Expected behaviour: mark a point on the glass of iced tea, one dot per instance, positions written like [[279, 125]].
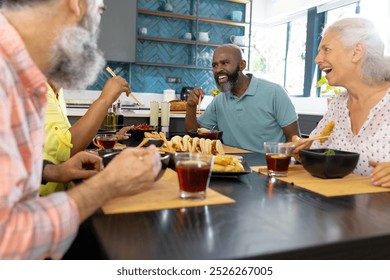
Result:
[[194, 171], [278, 156], [105, 141]]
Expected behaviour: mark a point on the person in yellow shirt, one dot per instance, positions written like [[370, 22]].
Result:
[[63, 140]]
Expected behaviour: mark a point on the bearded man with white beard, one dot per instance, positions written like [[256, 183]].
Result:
[[249, 111], [56, 40]]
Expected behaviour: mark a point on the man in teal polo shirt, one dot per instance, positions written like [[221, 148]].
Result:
[[250, 111]]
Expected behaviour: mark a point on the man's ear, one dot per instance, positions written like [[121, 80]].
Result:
[[242, 65], [77, 7], [358, 52]]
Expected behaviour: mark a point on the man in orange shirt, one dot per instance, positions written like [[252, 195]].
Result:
[[57, 40]]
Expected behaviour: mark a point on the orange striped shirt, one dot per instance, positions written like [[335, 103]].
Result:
[[30, 227]]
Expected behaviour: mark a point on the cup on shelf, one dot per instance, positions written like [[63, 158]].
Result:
[[143, 31], [187, 36], [238, 40], [236, 15], [203, 37]]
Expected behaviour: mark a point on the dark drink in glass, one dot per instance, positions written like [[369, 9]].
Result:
[[193, 170], [278, 156], [105, 141], [278, 164]]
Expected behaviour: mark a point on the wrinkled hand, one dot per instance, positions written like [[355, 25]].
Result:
[[121, 134], [80, 166], [193, 98], [380, 174], [299, 144], [113, 89], [132, 171]]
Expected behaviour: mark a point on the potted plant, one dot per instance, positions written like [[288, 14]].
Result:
[[215, 92], [327, 90]]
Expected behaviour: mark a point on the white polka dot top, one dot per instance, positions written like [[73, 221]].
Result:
[[373, 140]]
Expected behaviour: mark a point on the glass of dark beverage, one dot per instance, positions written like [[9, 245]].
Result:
[[105, 141], [194, 171], [278, 156]]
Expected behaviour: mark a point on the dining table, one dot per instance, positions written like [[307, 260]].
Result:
[[269, 219]]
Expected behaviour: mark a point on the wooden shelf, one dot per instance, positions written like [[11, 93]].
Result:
[[238, 1], [172, 65], [180, 41], [189, 17], [166, 14]]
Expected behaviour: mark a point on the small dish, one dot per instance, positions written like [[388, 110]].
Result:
[[247, 170], [211, 134]]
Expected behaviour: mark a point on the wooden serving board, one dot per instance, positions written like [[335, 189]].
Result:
[[349, 185], [235, 150], [174, 112], [164, 194]]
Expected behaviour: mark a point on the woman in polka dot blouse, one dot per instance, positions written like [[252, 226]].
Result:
[[351, 54]]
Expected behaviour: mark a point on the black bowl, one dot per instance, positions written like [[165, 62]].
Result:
[[165, 158], [324, 164], [212, 134], [136, 137], [139, 134], [108, 154], [152, 141]]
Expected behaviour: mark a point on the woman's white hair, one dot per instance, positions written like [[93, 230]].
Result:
[[357, 30]]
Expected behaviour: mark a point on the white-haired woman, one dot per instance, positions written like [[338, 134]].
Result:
[[351, 54]]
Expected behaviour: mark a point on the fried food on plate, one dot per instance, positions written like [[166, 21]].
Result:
[[327, 130], [226, 163], [189, 144]]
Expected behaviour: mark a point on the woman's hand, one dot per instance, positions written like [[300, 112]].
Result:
[[122, 132], [299, 144], [380, 174]]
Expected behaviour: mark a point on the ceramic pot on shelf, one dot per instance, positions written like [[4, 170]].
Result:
[[203, 37], [166, 5]]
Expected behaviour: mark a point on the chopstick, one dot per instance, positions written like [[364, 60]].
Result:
[[144, 141], [200, 101], [319, 137], [109, 70]]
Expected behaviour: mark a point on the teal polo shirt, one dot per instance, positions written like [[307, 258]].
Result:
[[256, 117]]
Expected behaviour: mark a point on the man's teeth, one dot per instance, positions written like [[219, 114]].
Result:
[[327, 69], [222, 77]]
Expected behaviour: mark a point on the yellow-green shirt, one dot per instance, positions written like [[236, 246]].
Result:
[[57, 136]]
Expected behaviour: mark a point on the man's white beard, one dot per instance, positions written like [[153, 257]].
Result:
[[76, 60], [225, 87]]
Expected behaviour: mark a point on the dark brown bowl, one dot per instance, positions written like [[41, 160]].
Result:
[[212, 134], [164, 165], [327, 166], [136, 137], [157, 142], [108, 154]]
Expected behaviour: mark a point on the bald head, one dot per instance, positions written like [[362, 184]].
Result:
[[231, 49]]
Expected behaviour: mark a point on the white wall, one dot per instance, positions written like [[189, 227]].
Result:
[[271, 11]]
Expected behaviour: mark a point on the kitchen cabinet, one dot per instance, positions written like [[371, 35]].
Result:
[[164, 43], [117, 37], [307, 123]]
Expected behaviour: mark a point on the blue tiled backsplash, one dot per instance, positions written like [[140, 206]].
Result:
[[152, 79]]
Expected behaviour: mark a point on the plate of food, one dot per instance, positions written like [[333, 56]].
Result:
[[228, 165]]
